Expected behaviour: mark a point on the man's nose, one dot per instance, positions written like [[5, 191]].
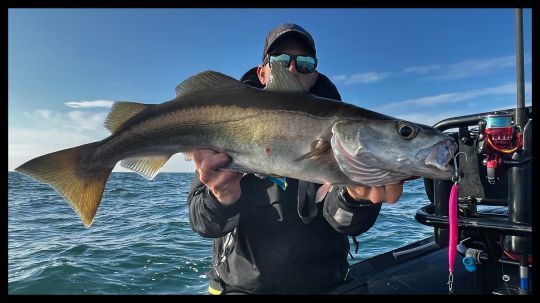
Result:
[[292, 66]]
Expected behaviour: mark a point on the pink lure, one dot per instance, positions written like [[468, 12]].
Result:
[[452, 217]]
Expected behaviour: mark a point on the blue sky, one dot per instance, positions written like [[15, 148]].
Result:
[[67, 66]]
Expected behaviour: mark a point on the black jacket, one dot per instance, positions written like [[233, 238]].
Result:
[[258, 249]]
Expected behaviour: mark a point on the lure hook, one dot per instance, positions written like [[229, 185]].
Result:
[[456, 177]]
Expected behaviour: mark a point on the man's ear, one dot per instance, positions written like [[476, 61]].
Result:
[[261, 73]]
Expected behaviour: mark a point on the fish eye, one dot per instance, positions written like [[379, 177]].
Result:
[[407, 130]]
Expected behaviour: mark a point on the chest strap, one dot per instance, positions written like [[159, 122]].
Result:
[[306, 189]]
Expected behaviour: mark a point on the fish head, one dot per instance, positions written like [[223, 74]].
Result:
[[378, 152]]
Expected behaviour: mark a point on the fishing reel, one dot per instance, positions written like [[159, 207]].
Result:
[[494, 205], [498, 139]]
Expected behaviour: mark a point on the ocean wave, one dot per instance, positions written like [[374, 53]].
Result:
[[141, 241]]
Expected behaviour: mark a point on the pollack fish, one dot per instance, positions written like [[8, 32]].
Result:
[[277, 131]]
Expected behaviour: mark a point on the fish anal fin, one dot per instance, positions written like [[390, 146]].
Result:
[[239, 168], [122, 112], [147, 167]]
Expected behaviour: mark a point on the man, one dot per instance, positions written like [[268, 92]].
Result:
[[269, 240]]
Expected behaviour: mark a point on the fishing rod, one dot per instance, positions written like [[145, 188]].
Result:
[[519, 176]]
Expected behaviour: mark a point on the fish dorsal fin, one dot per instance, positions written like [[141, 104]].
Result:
[[121, 112], [282, 80], [147, 167], [207, 80]]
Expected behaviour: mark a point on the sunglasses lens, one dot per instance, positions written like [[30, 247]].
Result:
[[283, 59], [305, 64]]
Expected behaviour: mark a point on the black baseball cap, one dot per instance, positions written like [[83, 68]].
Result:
[[287, 30]]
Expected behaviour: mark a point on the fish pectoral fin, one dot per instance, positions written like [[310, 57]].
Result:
[[122, 112], [282, 80], [322, 191], [147, 167], [318, 148]]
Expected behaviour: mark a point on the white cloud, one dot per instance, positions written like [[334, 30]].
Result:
[[46, 131], [51, 131], [88, 104], [504, 89], [45, 114], [87, 121], [513, 105], [339, 78], [368, 77], [422, 70], [463, 69], [72, 120], [431, 109], [459, 70], [25, 143], [431, 118], [470, 68]]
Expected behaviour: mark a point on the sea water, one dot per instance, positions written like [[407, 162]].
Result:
[[141, 241]]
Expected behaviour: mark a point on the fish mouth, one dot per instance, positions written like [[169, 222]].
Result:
[[439, 155]]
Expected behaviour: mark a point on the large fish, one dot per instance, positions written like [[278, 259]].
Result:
[[278, 131]]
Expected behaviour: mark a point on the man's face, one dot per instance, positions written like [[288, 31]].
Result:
[[291, 47]]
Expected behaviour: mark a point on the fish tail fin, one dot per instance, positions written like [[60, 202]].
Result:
[[80, 187]]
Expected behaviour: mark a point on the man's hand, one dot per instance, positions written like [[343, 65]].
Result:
[[376, 194], [225, 185]]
